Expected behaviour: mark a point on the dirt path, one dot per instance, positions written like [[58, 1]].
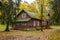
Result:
[[41, 36]]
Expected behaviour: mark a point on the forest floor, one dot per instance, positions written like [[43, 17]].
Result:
[[47, 34]]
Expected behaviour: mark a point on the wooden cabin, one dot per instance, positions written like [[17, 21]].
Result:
[[27, 19]]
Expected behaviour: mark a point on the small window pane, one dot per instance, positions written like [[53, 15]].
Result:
[[23, 15], [34, 23], [38, 23]]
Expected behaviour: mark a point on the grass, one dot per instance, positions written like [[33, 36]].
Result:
[[2, 27], [55, 35], [16, 32], [55, 26]]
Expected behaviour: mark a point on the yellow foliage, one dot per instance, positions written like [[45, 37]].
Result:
[[45, 4], [44, 17], [30, 7], [38, 15], [23, 6]]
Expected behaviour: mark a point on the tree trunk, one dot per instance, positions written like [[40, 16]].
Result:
[[42, 5], [41, 25], [7, 26]]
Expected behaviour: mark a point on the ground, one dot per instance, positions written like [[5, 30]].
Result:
[[47, 34]]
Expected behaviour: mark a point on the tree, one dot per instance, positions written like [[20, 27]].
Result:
[[8, 12], [40, 10], [24, 6], [42, 4], [32, 7], [55, 18], [29, 7]]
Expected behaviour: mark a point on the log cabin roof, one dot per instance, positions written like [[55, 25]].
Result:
[[32, 15]]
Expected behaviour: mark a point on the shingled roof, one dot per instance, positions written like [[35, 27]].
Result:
[[32, 15]]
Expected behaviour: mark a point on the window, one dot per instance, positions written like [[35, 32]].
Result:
[[34, 23], [38, 23], [23, 15]]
